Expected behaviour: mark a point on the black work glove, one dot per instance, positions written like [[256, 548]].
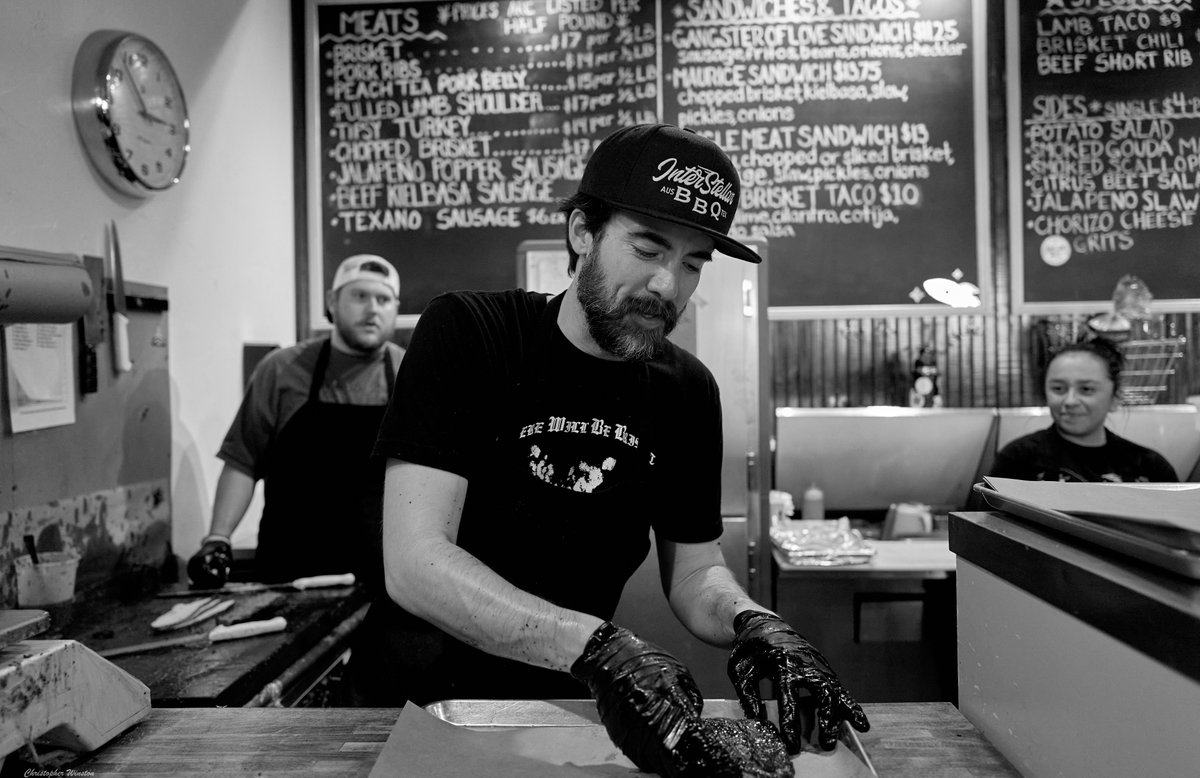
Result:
[[646, 698], [209, 567], [767, 648], [650, 705]]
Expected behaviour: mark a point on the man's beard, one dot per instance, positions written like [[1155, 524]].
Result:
[[610, 321], [356, 341]]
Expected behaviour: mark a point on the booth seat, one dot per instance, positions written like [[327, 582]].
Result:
[[866, 459]]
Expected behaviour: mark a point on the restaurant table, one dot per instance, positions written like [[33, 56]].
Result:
[[274, 668], [887, 626], [915, 558], [906, 739]]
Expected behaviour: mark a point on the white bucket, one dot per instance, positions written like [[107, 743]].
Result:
[[49, 582]]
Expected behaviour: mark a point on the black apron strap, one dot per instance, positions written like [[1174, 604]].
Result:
[[318, 376]]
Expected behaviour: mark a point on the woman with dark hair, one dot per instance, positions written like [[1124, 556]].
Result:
[[1083, 383]]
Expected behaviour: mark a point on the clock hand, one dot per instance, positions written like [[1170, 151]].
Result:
[[138, 93], [154, 118], [133, 84]]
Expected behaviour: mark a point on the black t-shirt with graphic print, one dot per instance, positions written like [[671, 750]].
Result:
[[1046, 455], [570, 460]]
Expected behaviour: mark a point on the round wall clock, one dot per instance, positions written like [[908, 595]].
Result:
[[130, 112]]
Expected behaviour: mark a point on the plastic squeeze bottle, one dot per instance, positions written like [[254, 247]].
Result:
[[813, 507]]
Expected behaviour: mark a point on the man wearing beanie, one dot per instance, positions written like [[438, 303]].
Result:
[[306, 427], [533, 443]]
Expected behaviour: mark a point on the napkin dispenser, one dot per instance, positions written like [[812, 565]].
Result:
[[906, 520]]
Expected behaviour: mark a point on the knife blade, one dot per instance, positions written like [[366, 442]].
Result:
[[217, 634], [120, 314], [300, 584]]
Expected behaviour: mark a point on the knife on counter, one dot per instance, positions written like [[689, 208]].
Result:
[[120, 313], [300, 584], [217, 634]]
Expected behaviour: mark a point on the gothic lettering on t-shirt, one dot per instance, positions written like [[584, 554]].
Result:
[[581, 455]]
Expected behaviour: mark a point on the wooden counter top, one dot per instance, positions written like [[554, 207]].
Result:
[[906, 739]]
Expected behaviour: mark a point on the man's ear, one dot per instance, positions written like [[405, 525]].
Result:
[[578, 232], [330, 302]]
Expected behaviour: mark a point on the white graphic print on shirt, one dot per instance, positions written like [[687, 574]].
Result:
[[579, 468]]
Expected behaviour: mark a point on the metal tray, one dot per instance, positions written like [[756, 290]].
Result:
[[484, 714], [1177, 560]]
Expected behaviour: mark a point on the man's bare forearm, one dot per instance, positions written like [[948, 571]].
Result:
[[430, 576], [235, 491], [703, 592], [456, 592]]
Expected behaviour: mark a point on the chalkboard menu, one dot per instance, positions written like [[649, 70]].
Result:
[[853, 124], [442, 134], [445, 133], [1104, 105]]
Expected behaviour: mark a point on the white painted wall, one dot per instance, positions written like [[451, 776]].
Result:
[[221, 240]]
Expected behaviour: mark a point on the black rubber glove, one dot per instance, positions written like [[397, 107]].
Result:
[[645, 696], [766, 648], [650, 706], [209, 567]]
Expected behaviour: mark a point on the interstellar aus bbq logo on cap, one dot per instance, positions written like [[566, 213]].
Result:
[[696, 189], [663, 171]]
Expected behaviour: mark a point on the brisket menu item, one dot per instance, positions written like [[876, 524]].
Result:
[[733, 748]]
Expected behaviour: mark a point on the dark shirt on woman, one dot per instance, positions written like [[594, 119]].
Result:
[[1047, 456]]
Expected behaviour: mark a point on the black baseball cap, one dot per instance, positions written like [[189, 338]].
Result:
[[669, 173]]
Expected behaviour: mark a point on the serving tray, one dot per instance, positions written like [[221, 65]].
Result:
[[1115, 537], [489, 714]]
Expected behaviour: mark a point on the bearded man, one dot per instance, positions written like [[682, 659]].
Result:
[[533, 443]]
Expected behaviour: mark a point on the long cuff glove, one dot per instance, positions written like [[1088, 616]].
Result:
[[645, 696], [766, 648], [209, 567]]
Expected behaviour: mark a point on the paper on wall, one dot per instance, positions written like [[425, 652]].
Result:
[[41, 375]]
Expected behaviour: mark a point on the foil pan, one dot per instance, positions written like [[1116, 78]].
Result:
[[821, 543]]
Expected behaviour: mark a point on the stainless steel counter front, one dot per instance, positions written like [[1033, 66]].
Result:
[[1074, 659]]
